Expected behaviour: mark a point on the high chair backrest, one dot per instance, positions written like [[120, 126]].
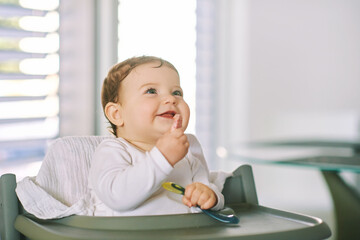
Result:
[[68, 159]]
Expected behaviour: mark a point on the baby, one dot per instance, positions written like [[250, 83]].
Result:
[[143, 101]]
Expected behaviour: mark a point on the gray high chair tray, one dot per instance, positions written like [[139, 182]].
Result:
[[256, 222]]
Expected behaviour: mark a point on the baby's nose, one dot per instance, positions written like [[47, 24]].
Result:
[[170, 99]]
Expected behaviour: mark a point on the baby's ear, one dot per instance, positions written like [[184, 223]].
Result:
[[113, 112]]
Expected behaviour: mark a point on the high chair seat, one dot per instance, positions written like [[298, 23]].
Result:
[[256, 222]]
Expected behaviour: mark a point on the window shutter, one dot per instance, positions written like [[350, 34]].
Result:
[[29, 77]]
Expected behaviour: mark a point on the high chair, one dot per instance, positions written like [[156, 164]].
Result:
[[256, 222]]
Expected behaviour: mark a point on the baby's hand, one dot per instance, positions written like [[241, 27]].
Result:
[[174, 144], [198, 194]]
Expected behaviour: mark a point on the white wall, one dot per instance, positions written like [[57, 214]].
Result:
[[304, 67], [301, 78]]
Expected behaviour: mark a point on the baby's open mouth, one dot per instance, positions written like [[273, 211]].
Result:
[[168, 114]]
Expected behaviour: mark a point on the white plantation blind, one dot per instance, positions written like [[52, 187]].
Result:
[[29, 77]]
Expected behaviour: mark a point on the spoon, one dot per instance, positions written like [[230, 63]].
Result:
[[226, 215]]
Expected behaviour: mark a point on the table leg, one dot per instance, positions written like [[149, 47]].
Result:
[[347, 206]]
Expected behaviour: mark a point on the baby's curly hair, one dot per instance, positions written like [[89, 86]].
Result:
[[111, 84]]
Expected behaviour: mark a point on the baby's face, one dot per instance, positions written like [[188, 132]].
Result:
[[150, 96]]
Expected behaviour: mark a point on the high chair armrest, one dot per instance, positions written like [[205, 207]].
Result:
[[240, 188], [9, 208]]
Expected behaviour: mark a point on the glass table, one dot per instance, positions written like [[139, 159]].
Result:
[[329, 157]]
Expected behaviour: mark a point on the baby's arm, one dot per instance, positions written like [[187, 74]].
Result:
[[198, 194], [123, 178]]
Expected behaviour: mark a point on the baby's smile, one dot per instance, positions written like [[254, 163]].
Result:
[[167, 114]]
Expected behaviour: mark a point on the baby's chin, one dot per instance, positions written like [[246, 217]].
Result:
[[167, 128]]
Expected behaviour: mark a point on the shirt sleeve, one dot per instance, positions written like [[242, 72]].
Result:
[[201, 171], [121, 182]]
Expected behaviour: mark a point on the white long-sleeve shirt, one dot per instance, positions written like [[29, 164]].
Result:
[[126, 181]]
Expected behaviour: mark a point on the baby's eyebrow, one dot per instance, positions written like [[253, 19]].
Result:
[[147, 84], [156, 84], [179, 88]]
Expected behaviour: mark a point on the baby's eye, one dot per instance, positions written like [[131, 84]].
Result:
[[151, 91], [177, 93]]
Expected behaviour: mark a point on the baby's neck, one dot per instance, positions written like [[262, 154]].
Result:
[[141, 145]]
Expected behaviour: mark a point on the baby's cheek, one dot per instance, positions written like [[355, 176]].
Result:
[[185, 114]]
